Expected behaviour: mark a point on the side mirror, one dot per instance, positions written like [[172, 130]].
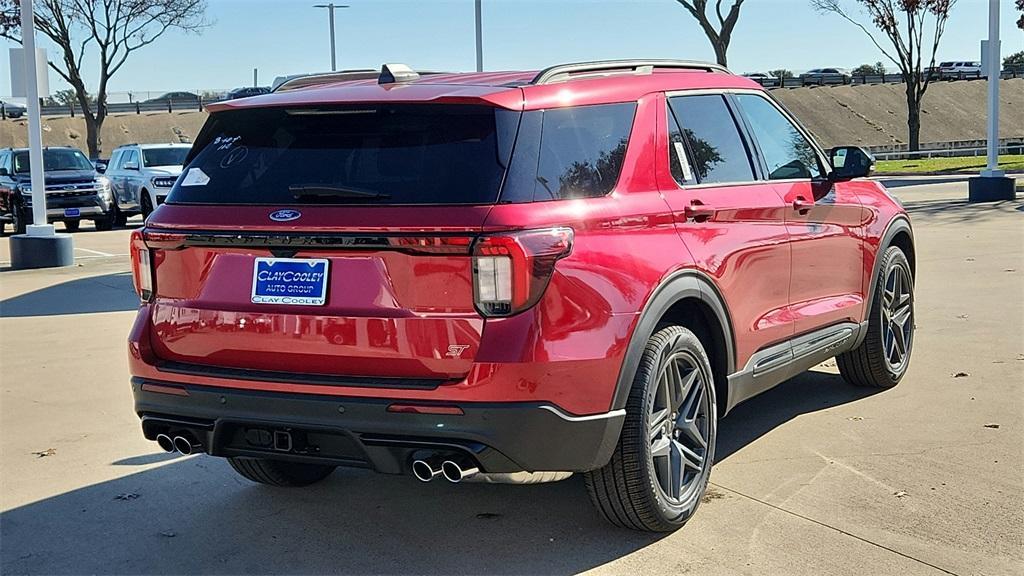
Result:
[[131, 166], [101, 168], [3, 171], [850, 162]]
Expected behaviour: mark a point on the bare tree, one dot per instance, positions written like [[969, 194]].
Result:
[[1020, 8], [111, 28], [904, 24], [721, 35]]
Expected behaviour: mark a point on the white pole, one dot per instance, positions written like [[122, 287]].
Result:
[[39, 227], [993, 89], [479, 37], [334, 60]]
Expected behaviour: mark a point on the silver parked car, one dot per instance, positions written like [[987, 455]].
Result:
[[825, 76], [141, 176]]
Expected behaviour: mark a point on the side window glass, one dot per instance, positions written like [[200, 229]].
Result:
[[786, 151], [678, 157], [130, 156], [3, 160], [581, 150], [114, 160], [718, 153]]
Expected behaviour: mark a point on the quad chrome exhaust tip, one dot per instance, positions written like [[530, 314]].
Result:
[[456, 471], [165, 442], [185, 445], [426, 469]]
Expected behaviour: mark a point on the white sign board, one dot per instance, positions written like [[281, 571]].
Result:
[[18, 87]]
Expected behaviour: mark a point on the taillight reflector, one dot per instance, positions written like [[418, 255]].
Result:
[[511, 271], [425, 409]]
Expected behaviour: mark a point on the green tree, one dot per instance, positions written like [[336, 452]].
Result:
[[1015, 60], [905, 24], [876, 69], [721, 35], [109, 29]]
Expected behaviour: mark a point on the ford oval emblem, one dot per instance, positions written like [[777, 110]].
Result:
[[285, 215]]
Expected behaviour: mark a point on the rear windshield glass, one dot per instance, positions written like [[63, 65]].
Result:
[[164, 156], [376, 154]]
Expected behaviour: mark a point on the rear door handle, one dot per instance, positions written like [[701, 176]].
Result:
[[698, 211], [801, 205]]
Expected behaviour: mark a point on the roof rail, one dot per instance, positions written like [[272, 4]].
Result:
[[564, 72]]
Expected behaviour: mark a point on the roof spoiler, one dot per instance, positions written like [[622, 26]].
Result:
[[563, 72]]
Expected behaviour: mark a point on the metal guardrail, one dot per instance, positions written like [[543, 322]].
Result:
[[199, 104], [797, 82], [1012, 148]]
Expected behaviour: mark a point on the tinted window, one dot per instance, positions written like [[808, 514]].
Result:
[[786, 152], [581, 150], [679, 160], [374, 154], [714, 142], [54, 160], [164, 156]]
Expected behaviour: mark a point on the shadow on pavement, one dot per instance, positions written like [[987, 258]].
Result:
[[107, 293], [194, 515], [808, 392], [903, 182], [959, 211]]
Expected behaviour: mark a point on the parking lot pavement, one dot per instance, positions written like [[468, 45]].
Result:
[[813, 477], [89, 243]]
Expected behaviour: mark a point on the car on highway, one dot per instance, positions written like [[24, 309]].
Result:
[[174, 97], [961, 69], [12, 110], [247, 92], [74, 191], [141, 176], [509, 277], [826, 76]]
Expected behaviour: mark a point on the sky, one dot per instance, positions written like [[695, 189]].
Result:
[[290, 36]]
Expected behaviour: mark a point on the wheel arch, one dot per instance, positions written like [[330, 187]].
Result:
[[897, 233], [687, 298]]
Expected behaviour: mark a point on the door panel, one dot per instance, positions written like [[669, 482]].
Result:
[[828, 271], [823, 218], [736, 231]]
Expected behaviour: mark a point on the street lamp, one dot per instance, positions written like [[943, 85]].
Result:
[[479, 36], [992, 184], [330, 14]]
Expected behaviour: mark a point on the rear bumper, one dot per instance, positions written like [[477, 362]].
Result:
[[501, 437]]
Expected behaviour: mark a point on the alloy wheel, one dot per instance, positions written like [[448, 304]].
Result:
[[897, 318], [679, 428]]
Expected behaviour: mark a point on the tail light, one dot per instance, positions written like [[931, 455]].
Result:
[[142, 267], [512, 270]]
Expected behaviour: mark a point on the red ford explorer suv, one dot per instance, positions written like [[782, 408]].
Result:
[[509, 277]]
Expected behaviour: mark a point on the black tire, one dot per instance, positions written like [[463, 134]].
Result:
[[146, 204], [120, 219], [104, 224], [20, 223], [630, 490], [872, 363], [280, 473], [72, 225]]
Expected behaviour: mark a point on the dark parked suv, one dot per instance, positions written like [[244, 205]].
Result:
[[509, 277], [74, 191]]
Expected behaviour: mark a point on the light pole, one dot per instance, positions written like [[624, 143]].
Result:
[[992, 185], [479, 37], [40, 247], [330, 14]]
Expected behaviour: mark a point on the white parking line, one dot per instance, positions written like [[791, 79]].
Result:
[[96, 252]]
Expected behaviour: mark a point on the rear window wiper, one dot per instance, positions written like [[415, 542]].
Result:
[[300, 191]]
